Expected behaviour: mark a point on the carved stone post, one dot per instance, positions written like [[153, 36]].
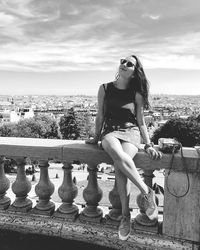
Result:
[[142, 218], [21, 187], [114, 216], [92, 194], [67, 192], [44, 189], [148, 177], [4, 186]]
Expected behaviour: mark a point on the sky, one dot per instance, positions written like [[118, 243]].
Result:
[[63, 47]]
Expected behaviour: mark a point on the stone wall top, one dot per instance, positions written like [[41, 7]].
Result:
[[70, 150]]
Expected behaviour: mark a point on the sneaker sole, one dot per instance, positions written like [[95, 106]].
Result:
[[123, 237], [154, 215]]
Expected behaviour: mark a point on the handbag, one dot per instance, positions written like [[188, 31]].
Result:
[[168, 145]]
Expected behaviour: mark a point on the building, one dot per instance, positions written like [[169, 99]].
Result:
[[26, 113], [9, 116]]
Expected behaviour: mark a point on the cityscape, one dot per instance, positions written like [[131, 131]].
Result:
[[163, 107], [57, 191]]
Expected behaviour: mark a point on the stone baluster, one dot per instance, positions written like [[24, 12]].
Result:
[[67, 192], [44, 189], [4, 186], [92, 194], [114, 215], [141, 218], [21, 187], [148, 177]]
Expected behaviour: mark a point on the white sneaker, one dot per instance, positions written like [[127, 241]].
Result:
[[124, 228], [150, 206]]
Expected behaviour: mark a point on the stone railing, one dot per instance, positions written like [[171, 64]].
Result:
[[179, 228]]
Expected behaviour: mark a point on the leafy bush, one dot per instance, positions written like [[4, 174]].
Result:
[[186, 131], [42, 126]]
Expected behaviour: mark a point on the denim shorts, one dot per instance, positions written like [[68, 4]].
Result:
[[129, 134]]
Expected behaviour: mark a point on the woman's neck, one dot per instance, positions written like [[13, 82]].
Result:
[[121, 83]]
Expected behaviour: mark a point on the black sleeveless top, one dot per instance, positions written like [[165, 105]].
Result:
[[119, 105]]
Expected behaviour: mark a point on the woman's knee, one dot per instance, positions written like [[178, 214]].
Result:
[[113, 148], [130, 149], [107, 140]]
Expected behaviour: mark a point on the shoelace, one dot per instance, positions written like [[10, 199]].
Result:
[[147, 199], [125, 219]]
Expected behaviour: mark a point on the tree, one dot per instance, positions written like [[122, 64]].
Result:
[[83, 119], [38, 127], [186, 131], [10, 166], [42, 126], [30, 128], [51, 127], [7, 129], [68, 126]]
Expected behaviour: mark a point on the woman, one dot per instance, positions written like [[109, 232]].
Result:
[[119, 124]]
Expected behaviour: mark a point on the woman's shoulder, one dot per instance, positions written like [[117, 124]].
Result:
[[104, 87], [107, 84]]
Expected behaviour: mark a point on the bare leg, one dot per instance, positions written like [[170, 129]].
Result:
[[123, 161], [123, 187], [123, 183], [122, 154]]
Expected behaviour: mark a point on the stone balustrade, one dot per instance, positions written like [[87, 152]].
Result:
[[179, 228]]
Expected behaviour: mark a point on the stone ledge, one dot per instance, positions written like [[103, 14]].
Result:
[[68, 151], [89, 233]]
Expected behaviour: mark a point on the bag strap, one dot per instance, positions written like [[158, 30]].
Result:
[[186, 172]]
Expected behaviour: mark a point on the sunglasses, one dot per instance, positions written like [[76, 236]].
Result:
[[129, 64]]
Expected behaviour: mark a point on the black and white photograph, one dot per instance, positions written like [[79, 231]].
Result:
[[100, 124]]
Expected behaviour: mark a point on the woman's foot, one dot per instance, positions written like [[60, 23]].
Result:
[[147, 204], [124, 228], [151, 207]]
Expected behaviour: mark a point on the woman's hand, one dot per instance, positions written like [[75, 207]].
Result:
[[92, 140], [153, 153]]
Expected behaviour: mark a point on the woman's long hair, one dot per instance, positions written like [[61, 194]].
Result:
[[139, 82]]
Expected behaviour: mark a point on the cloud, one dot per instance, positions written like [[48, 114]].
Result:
[[17, 7], [10, 28], [92, 35], [73, 55], [153, 17], [5, 19]]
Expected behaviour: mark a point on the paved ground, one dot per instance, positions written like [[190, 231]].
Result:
[[40, 242]]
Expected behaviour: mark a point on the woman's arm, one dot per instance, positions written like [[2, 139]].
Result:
[[143, 128], [140, 118], [99, 120], [100, 112]]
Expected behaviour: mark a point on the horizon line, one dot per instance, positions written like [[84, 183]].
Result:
[[82, 94]]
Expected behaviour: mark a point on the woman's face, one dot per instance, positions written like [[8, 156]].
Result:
[[127, 67]]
